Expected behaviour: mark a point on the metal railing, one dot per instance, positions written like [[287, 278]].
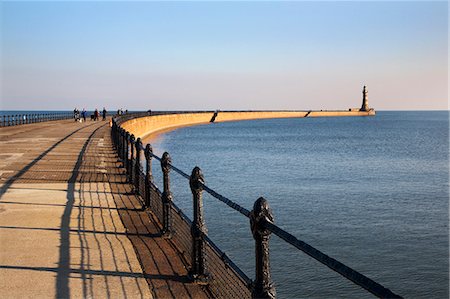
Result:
[[29, 118], [208, 264]]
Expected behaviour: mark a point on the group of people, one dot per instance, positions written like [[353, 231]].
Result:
[[82, 116], [120, 111]]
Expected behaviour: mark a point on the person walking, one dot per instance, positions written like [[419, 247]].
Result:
[[83, 114], [96, 114], [76, 114], [104, 113]]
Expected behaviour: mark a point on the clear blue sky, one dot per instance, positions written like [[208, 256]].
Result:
[[223, 55]]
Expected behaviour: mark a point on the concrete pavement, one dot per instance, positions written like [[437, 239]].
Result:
[[62, 234]]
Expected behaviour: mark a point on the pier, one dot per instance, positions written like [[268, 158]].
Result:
[[70, 224], [81, 217]]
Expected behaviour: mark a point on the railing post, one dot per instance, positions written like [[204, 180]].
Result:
[[124, 145], [114, 134], [120, 140], [166, 196], [131, 172], [148, 173], [198, 228], [117, 137], [127, 151], [263, 285], [137, 167]]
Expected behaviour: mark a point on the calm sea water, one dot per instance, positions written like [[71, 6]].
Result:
[[371, 192]]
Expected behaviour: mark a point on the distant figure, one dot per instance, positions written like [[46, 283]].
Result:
[[126, 111], [83, 114], [104, 113], [96, 114], [76, 114]]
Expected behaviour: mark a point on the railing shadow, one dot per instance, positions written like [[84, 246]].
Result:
[[158, 258], [21, 172]]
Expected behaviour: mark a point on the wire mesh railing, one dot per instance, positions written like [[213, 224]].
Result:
[[208, 264]]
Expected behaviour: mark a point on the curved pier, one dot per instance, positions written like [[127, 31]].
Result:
[[81, 216], [154, 122]]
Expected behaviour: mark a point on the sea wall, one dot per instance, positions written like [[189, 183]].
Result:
[[338, 113], [144, 126], [148, 125], [247, 115]]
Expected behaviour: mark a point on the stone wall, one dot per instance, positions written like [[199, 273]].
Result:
[[145, 126]]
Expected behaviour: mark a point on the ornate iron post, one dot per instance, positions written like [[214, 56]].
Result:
[[137, 166], [130, 171], [119, 139], [122, 145], [166, 196], [148, 173], [127, 150], [122, 136], [116, 140], [263, 285], [198, 228]]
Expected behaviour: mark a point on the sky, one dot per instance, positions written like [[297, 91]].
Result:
[[223, 55]]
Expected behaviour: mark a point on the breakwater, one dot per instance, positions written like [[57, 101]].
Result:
[[150, 123], [130, 149]]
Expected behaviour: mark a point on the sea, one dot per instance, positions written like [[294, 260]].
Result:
[[371, 192]]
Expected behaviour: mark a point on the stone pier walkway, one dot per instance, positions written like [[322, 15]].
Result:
[[70, 225]]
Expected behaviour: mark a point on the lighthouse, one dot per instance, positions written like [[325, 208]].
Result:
[[365, 101]]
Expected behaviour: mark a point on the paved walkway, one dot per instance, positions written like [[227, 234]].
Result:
[[69, 224]]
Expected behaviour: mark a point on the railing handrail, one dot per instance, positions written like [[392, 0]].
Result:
[[347, 272], [14, 119]]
